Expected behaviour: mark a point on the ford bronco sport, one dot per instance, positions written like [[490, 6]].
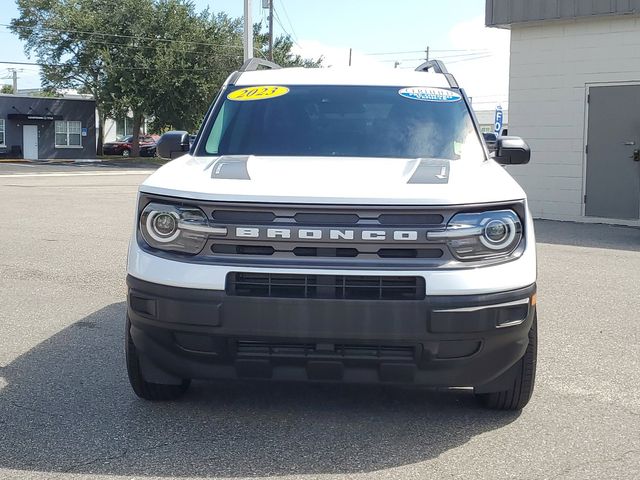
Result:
[[335, 225]]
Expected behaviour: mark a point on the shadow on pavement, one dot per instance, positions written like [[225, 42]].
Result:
[[588, 235], [66, 406]]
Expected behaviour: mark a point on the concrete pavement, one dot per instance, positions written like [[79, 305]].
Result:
[[66, 409]]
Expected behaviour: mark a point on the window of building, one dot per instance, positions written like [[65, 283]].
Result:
[[2, 139], [68, 134], [124, 127]]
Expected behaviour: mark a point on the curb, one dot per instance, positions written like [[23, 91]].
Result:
[[49, 162]]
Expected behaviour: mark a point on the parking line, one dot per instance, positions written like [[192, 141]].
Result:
[[79, 174]]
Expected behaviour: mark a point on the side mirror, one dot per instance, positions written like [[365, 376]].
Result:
[[173, 144], [512, 151]]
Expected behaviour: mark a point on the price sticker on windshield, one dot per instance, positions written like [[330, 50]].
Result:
[[260, 92], [429, 94]]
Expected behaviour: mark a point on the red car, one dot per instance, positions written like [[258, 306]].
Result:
[[123, 147]]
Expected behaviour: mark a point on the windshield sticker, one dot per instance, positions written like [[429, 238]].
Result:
[[260, 92], [429, 94]]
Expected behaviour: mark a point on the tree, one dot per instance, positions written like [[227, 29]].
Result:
[[68, 38], [6, 89], [166, 62]]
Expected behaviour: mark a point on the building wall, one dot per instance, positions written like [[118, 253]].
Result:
[[552, 64], [109, 130], [68, 109], [115, 129], [510, 12]]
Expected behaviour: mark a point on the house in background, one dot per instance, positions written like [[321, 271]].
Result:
[[116, 129], [38, 128], [574, 95]]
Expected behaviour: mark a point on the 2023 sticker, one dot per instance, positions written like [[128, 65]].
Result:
[[259, 92]]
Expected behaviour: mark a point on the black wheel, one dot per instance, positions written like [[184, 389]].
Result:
[[126, 152], [516, 397], [142, 388]]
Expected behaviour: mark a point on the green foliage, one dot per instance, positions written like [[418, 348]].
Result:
[[159, 59], [6, 89]]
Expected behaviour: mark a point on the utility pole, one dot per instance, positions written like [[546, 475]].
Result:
[[15, 80], [270, 30], [350, 51], [248, 31], [427, 53]]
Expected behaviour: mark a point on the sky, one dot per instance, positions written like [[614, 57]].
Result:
[[378, 32]]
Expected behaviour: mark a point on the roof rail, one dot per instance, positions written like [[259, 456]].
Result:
[[438, 67], [253, 63]]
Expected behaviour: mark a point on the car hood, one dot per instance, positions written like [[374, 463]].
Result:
[[335, 180]]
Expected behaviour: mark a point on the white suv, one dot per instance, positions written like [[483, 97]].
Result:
[[335, 225]]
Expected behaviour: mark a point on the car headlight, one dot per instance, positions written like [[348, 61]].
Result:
[[173, 228], [482, 235]]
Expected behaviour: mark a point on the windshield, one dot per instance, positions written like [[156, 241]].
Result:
[[349, 121]]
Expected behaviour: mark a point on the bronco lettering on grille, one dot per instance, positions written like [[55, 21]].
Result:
[[331, 234]]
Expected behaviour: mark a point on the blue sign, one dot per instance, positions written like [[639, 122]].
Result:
[[85, 131], [498, 121]]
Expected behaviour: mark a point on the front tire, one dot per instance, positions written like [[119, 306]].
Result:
[[126, 153], [142, 388], [520, 391]]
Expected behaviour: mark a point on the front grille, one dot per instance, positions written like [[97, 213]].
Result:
[[286, 249], [345, 287], [314, 350], [336, 234], [364, 216]]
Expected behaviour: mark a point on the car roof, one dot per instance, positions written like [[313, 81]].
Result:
[[342, 76]]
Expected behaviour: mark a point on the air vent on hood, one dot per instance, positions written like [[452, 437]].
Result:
[[431, 171], [231, 168]]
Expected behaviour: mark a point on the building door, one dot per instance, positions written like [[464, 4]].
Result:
[[30, 142], [613, 153]]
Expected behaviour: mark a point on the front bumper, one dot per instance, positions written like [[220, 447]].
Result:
[[440, 341]]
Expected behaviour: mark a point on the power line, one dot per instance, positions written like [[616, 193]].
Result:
[[277, 19], [115, 35], [51, 65], [284, 8], [143, 47], [471, 59], [440, 57], [128, 46], [422, 51]]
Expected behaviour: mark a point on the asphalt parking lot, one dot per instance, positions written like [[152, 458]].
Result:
[[66, 409]]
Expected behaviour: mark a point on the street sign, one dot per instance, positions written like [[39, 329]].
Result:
[[498, 120]]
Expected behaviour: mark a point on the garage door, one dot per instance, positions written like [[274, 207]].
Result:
[[613, 153]]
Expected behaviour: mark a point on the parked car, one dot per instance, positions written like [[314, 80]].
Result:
[[335, 226], [123, 147], [491, 139]]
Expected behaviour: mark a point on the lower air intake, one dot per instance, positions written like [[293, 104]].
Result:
[[344, 287]]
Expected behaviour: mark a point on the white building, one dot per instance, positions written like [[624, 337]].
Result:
[[574, 95], [116, 129]]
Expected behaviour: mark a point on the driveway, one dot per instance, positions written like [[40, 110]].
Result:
[[66, 409]]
